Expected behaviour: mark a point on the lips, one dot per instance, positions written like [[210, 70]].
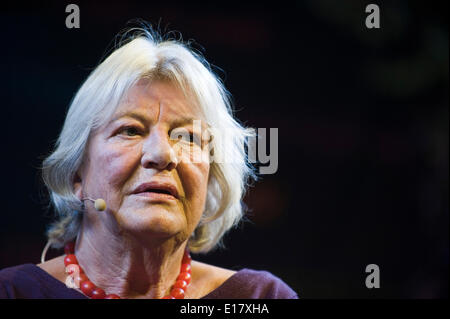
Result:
[[157, 187]]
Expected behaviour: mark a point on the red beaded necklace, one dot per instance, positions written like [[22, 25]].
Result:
[[92, 291]]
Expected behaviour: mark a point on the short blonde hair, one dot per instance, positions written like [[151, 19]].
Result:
[[143, 53]]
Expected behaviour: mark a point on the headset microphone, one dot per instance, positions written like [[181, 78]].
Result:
[[99, 203]]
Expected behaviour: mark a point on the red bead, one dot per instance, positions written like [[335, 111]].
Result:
[[70, 259], [185, 276], [69, 248], [177, 293], [87, 288], [186, 258], [112, 296], [181, 284], [98, 293], [167, 297], [185, 268]]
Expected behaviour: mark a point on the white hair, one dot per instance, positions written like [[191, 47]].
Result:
[[146, 55]]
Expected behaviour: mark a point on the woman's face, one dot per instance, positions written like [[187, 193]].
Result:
[[134, 148]]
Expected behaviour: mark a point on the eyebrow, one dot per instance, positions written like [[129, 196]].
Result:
[[138, 116], [183, 121], [143, 118]]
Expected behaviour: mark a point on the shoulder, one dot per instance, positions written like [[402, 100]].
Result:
[[208, 277], [253, 284], [17, 273], [267, 284], [19, 281], [31, 281]]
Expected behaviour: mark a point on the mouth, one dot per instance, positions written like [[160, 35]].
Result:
[[157, 190]]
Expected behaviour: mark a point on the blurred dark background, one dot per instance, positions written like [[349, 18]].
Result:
[[363, 131]]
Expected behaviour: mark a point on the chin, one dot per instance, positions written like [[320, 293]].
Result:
[[160, 222]]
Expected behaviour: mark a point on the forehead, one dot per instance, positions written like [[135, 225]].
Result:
[[158, 100]]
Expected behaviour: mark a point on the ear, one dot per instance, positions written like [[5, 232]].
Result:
[[77, 186]]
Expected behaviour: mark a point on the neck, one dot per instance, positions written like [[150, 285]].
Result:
[[125, 266]]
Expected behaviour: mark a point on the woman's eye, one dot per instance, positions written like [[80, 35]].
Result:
[[188, 137], [130, 131], [183, 137]]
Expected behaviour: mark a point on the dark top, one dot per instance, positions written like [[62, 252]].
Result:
[[30, 281]]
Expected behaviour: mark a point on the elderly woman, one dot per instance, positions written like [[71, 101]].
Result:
[[150, 165]]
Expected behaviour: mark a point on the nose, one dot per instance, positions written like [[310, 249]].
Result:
[[158, 152]]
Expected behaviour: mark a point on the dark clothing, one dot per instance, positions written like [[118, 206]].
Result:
[[30, 281]]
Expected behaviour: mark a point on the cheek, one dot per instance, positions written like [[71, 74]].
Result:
[[195, 182], [113, 166]]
